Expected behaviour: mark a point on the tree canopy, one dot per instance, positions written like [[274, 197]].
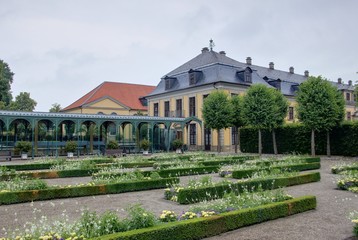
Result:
[[237, 118], [23, 102], [55, 108], [6, 79]]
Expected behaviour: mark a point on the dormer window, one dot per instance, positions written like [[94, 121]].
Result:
[[194, 76], [169, 82], [248, 75]]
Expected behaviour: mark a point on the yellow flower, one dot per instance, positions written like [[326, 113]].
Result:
[[355, 221]]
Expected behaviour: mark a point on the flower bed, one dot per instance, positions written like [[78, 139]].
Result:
[[83, 190], [203, 227], [238, 174], [165, 172], [193, 195], [348, 181], [344, 167]]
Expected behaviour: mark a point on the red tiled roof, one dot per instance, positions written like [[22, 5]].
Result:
[[126, 93]]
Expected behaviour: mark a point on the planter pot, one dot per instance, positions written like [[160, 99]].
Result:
[[70, 154], [145, 152], [178, 151], [24, 156]]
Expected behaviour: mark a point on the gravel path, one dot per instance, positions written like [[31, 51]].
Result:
[[328, 221]]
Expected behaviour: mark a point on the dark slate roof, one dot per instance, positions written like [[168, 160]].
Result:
[[213, 73], [342, 86], [217, 67]]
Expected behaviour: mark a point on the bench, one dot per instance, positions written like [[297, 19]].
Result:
[[5, 154], [114, 152]]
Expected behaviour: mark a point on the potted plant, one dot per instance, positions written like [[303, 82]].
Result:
[[177, 145], [144, 144], [23, 147], [70, 148]]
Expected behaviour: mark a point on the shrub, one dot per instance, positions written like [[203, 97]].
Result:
[[177, 144], [70, 146], [112, 145], [144, 144], [23, 146]]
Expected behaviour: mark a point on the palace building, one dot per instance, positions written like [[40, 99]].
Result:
[[181, 93]]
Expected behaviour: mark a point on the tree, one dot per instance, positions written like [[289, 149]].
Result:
[[23, 102], [237, 119], [55, 108], [217, 112], [280, 112], [259, 109], [320, 107], [6, 79]]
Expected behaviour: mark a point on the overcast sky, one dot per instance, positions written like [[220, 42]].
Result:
[[60, 50]]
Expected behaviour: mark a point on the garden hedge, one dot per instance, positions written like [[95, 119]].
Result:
[[41, 166], [86, 190], [50, 174], [164, 173], [296, 138], [210, 226], [187, 196], [343, 168], [245, 173]]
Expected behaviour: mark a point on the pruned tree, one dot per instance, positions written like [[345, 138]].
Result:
[[258, 109], [217, 112], [280, 112], [56, 107], [320, 107], [23, 102], [237, 119]]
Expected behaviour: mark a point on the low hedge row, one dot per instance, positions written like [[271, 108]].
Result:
[[187, 196], [40, 166], [80, 191], [50, 174], [297, 167], [343, 168], [165, 173], [210, 226]]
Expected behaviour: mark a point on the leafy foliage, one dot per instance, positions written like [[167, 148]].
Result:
[[6, 79], [56, 107], [23, 102], [217, 111], [319, 104]]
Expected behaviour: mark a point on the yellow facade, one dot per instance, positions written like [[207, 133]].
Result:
[[198, 93]]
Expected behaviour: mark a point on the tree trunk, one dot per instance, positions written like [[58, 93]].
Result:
[[313, 152], [219, 145], [260, 143], [236, 142], [328, 145], [274, 141]]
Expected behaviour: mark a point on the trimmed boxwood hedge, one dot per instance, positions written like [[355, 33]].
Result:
[[187, 196], [245, 173], [165, 173], [210, 226], [343, 168], [51, 174], [80, 191], [297, 138]]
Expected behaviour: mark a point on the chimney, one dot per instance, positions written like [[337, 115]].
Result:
[[205, 49], [307, 73], [350, 82], [271, 65], [248, 61], [292, 70], [340, 80], [223, 53]]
